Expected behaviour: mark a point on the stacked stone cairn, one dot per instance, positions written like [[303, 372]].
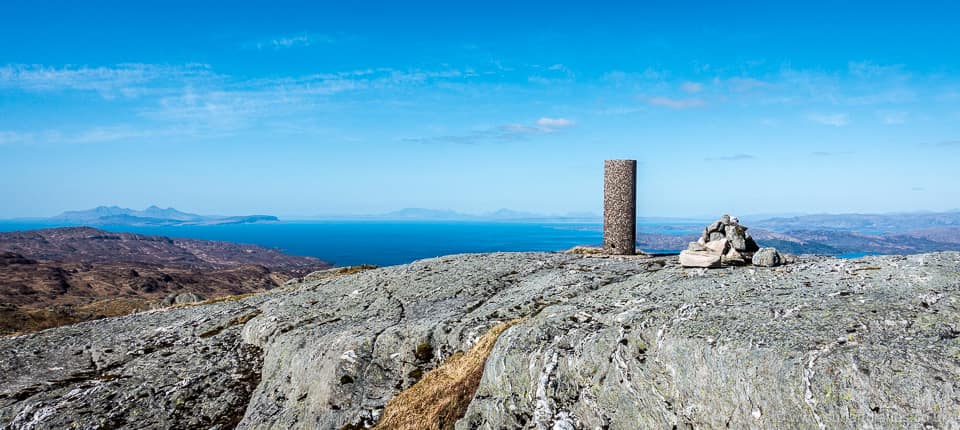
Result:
[[727, 243]]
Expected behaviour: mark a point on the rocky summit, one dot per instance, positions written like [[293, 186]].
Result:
[[592, 342]]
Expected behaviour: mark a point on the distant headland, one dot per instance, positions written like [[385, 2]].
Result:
[[151, 216]]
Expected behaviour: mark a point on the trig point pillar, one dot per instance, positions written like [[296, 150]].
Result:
[[620, 207]]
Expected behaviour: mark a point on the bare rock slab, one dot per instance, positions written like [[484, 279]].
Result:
[[609, 342]]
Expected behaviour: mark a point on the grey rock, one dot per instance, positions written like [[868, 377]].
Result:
[[716, 226], [716, 236], [737, 235], [697, 246], [610, 342], [732, 257], [718, 247], [181, 298], [767, 257], [725, 219]]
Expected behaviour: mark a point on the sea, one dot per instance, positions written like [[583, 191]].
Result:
[[382, 243]]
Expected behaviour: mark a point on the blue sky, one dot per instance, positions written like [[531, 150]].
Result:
[[306, 108]]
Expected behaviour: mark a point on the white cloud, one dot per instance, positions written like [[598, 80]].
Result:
[[691, 87], [503, 133], [870, 70], [554, 122], [10, 137], [299, 40], [742, 85], [122, 80], [676, 103], [893, 118], [836, 119]]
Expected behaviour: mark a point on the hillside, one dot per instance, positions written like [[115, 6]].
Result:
[[57, 276], [562, 341], [822, 241]]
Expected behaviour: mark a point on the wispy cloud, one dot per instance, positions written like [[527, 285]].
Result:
[[499, 134], [835, 119], [949, 143], [829, 153], [554, 123], [691, 87], [676, 103], [870, 70], [551, 75], [11, 137], [299, 40], [101, 134], [744, 84], [734, 157], [123, 80], [893, 118]]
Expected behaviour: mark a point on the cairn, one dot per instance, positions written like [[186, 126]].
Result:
[[727, 243]]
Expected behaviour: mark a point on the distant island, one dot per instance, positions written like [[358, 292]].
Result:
[[151, 216]]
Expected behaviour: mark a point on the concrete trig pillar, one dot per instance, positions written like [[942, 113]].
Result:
[[620, 207]]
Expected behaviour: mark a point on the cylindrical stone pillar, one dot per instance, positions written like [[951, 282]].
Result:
[[620, 207]]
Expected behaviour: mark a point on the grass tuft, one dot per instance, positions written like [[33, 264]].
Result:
[[441, 398]]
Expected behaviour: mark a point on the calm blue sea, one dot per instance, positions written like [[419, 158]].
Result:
[[383, 243]]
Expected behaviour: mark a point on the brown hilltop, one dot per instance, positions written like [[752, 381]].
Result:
[[59, 276]]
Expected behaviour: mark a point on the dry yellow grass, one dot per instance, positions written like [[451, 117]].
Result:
[[17, 321], [441, 398]]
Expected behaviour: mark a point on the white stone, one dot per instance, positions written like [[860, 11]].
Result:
[[699, 259]]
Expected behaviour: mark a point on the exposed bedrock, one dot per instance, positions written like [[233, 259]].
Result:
[[609, 342]]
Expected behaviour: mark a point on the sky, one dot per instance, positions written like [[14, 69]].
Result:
[[299, 109]]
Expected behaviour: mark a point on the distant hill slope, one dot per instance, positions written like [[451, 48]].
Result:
[[828, 242], [92, 245], [153, 215], [862, 223], [55, 276]]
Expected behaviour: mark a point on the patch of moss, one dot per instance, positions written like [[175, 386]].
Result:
[[424, 352], [416, 373]]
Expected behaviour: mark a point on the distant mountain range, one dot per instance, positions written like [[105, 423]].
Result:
[[830, 234], [151, 216], [424, 214], [863, 223]]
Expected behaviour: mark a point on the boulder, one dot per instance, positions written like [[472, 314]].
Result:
[[718, 247], [737, 235], [767, 257], [733, 258], [181, 298], [699, 259]]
